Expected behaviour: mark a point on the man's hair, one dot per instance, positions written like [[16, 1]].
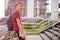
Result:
[[17, 3]]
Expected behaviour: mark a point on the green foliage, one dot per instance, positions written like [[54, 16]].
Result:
[[31, 29], [27, 24], [38, 21]]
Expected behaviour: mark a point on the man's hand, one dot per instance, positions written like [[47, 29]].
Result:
[[23, 19], [23, 35], [20, 28]]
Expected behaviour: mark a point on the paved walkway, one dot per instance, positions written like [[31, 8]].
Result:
[[31, 37], [3, 30]]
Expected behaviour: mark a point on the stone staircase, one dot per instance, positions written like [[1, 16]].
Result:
[[52, 33]]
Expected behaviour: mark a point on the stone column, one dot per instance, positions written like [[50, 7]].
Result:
[[37, 6], [54, 9], [30, 8], [2, 8]]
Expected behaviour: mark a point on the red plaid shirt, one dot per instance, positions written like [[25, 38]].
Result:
[[14, 22]]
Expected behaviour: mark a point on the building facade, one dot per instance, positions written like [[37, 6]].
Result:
[[35, 8], [30, 9]]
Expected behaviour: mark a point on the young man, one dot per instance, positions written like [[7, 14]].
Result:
[[16, 21]]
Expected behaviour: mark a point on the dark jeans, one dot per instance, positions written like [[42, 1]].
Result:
[[17, 32]]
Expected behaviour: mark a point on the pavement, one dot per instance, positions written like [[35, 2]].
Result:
[[31, 37], [3, 31]]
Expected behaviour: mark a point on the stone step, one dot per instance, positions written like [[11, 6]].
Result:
[[58, 26], [57, 29], [55, 32], [51, 35], [45, 37]]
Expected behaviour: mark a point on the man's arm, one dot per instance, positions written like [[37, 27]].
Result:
[[19, 25]]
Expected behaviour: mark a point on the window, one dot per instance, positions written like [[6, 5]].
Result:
[[39, 8], [59, 5], [10, 6], [59, 15], [24, 8]]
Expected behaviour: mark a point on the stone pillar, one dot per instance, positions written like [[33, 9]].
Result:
[[30, 8], [2, 8], [54, 9], [6, 4], [37, 6]]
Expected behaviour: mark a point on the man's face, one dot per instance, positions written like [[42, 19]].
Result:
[[19, 6]]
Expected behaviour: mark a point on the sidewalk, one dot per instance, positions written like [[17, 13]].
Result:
[[31, 37], [3, 30]]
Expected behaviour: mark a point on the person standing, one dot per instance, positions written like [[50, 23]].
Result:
[[16, 21]]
